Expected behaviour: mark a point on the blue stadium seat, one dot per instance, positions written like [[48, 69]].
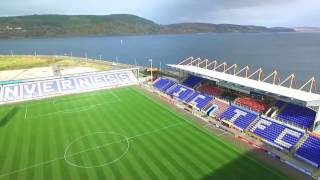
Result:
[[279, 104], [192, 80], [168, 86], [183, 93], [160, 83], [190, 98], [309, 151], [276, 133], [180, 92], [202, 100], [301, 116], [239, 116]]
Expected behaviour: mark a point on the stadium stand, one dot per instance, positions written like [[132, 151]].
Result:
[[201, 100], [168, 86], [192, 80], [210, 109], [270, 114], [228, 96], [253, 104], [279, 104], [40, 88], [301, 116], [276, 133], [210, 89], [309, 151], [183, 93], [180, 92], [239, 116], [160, 83], [207, 107], [190, 98], [220, 107]]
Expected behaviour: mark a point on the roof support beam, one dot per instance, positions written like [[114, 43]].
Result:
[[188, 59], [312, 83], [194, 60], [203, 61], [291, 78], [309, 86], [241, 70], [274, 74], [259, 75], [234, 66], [213, 62], [224, 64]]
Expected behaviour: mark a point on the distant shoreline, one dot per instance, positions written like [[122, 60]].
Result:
[[137, 35], [111, 25]]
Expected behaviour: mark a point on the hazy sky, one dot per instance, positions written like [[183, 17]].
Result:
[[258, 12]]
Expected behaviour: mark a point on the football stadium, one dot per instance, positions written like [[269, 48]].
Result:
[[209, 121]]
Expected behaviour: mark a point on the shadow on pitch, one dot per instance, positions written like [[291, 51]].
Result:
[[249, 166], [8, 116]]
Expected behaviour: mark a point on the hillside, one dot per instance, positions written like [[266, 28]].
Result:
[[307, 29], [220, 28], [120, 24]]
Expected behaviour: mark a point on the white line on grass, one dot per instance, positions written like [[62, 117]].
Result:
[[26, 112], [79, 109], [74, 110], [101, 146], [72, 98], [115, 95], [125, 139], [68, 97]]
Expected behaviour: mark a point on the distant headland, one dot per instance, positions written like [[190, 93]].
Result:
[[117, 24]]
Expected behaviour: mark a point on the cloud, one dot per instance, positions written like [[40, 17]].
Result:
[[258, 12]]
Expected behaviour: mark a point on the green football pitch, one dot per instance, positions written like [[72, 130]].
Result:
[[115, 134]]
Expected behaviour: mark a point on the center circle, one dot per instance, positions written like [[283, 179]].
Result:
[[96, 149]]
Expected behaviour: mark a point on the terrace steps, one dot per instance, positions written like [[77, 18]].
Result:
[[272, 112], [300, 142], [187, 97], [253, 123], [282, 107]]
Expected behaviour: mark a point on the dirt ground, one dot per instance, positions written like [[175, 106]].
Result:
[[40, 72]]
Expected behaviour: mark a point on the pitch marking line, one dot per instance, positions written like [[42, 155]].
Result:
[[98, 147], [68, 97], [81, 96], [79, 109], [126, 139], [26, 112], [115, 95]]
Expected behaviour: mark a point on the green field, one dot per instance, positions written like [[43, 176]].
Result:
[[27, 62], [115, 134]]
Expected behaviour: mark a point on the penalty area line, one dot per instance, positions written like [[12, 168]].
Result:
[[26, 112], [74, 110], [115, 95]]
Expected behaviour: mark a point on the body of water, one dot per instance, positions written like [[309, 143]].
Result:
[[286, 52]]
